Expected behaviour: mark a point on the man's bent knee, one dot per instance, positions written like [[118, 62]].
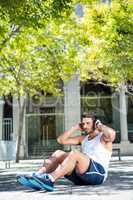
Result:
[[58, 153], [48, 161]]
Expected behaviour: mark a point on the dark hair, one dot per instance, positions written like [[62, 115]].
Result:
[[91, 115]]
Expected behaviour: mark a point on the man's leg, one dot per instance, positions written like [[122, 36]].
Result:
[[49, 165], [52, 163], [76, 160]]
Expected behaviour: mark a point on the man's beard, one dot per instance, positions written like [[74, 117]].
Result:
[[89, 132]]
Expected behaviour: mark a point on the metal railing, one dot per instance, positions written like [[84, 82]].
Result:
[[7, 129]]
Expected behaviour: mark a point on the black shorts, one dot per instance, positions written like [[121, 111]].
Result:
[[95, 175]]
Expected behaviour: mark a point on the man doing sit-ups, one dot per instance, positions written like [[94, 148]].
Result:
[[86, 167]]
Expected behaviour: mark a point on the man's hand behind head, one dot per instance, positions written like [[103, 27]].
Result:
[[98, 125]]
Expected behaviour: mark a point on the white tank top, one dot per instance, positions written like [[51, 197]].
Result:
[[96, 151]]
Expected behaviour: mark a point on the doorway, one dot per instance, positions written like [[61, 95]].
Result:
[[42, 131]]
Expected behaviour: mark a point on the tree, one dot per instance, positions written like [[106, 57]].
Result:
[[34, 54], [107, 49]]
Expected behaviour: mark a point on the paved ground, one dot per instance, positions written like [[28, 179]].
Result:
[[119, 185]]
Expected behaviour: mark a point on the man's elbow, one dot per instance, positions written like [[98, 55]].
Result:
[[112, 135]]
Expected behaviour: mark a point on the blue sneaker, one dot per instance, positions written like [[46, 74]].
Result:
[[24, 180], [44, 181], [32, 181]]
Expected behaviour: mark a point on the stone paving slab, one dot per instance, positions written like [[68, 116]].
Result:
[[119, 185]]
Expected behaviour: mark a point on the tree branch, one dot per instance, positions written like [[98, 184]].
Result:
[[10, 35]]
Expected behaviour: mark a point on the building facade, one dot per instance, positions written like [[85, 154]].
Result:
[[49, 116]]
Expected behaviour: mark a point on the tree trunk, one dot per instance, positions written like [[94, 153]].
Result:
[[20, 127]]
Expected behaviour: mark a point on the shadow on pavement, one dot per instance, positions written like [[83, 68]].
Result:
[[117, 181]]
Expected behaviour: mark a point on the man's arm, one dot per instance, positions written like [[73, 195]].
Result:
[[108, 133], [68, 138]]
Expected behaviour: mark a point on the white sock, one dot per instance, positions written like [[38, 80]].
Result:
[[51, 178]]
